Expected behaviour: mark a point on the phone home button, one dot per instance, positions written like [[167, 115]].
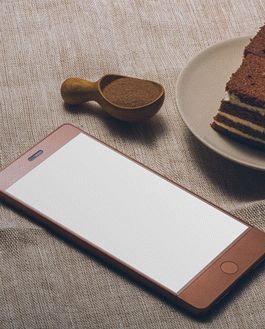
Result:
[[229, 267]]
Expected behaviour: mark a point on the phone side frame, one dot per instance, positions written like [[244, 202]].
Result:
[[186, 298]]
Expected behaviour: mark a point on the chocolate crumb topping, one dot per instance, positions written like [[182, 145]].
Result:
[[248, 82]]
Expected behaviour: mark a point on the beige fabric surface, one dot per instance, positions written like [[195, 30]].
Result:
[[48, 283]]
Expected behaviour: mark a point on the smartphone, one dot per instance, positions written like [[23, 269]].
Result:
[[161, 234]]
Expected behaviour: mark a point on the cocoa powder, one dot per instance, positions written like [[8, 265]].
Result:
[[131, 92]]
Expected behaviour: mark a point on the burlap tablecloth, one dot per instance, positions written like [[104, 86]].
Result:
[[44, 281]]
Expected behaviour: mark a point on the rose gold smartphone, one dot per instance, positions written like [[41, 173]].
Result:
[[158, 232]]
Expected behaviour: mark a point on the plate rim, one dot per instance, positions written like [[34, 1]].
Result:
[[182, 113]]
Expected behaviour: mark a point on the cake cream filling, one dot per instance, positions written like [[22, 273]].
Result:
[[238, 132], [242, 122], [233, 99]]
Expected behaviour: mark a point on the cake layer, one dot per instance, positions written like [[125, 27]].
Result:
[[245, 129], [248, 82], [257, 44], [249, 116], [242, 122], [233, 99], [238, 135]]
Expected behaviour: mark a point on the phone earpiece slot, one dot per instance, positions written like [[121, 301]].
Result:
[[35, 155]]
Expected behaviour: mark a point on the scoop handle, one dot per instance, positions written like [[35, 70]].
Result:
[[77, 91]]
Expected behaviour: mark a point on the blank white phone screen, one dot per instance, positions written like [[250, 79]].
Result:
[[143, 220]]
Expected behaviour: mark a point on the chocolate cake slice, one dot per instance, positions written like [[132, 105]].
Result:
[[242, 112]]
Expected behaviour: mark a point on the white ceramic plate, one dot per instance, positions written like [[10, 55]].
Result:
[[200, 89]]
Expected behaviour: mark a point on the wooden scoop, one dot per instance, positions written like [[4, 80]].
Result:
[[76, 91]]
